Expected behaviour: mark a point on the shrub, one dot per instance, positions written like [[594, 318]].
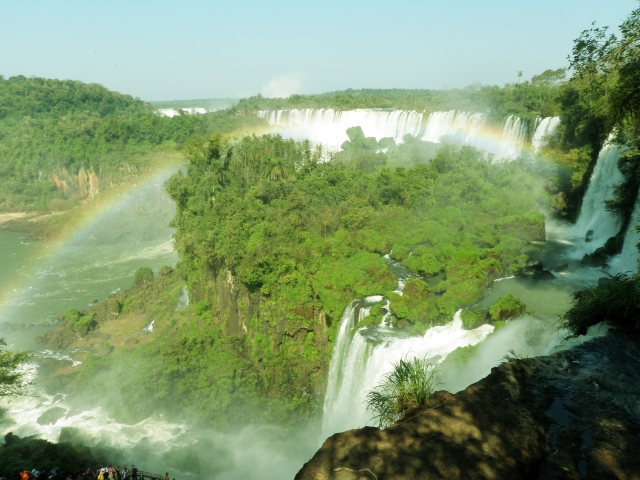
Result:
[[23, 453], [165, 270], [410, 384], [143, 275], [399, 252], [616, 302], [473, 318], [203, 306], [72, 315], [506, 307], [83, 324]]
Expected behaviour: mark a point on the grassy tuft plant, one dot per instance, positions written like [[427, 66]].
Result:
[[616, 302], [511, 355], [410, 384]]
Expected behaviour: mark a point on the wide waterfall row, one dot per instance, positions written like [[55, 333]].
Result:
[[328, 127]]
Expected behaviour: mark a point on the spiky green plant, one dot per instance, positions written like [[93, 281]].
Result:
[[615, 302], [511, 355], [410, 384]]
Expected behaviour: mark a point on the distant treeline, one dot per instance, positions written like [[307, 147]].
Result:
[[210, 104], [526, 99], [63, 127]]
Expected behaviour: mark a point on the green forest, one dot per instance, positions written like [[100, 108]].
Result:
[[61, 140]]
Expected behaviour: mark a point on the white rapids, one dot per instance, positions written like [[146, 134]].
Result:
[[358, 365]]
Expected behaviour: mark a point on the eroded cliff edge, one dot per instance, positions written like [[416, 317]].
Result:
[[573, 414]]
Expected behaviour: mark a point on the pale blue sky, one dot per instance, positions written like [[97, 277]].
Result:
[[164, 50]]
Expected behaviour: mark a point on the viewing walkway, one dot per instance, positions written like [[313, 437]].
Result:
[[148, 476]]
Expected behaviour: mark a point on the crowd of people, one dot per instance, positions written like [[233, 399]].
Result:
[[103, 473]]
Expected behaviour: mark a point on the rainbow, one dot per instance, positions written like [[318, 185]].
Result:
[[82, 222]]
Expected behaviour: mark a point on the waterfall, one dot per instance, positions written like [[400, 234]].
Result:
[[329, 126], [514, 133], [462, 125], [362, 357], [183, 300], [543, 130], [627, 261], [595, 221], [172, 112]]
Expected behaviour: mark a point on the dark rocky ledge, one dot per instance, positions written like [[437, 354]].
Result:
[[571, 415]]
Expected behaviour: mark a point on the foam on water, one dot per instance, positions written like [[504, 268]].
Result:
[[23, 414]]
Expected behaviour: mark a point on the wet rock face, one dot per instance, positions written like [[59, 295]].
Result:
[[51, 416], [571, 415], [595, 410]]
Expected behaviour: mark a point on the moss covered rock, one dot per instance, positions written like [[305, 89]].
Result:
[[507, 307]]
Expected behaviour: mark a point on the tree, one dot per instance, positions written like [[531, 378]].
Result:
[[275, 168], [12, 375], [550, 77], [601, 57]]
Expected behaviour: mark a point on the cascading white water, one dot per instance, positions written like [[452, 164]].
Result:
[[358, 365], [348, 356], [627, 261], [593, 215], [329, 126], [463, 126], [172, 112], [514, 133], [543, 130], [183, 300]]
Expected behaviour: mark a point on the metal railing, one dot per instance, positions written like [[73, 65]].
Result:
[[148, 476]]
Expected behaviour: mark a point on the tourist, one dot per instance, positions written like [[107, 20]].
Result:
[[134, 472], [166, 476]]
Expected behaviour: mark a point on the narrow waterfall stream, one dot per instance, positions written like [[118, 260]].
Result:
[[628, 259], [544, 128], [596, 225]]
